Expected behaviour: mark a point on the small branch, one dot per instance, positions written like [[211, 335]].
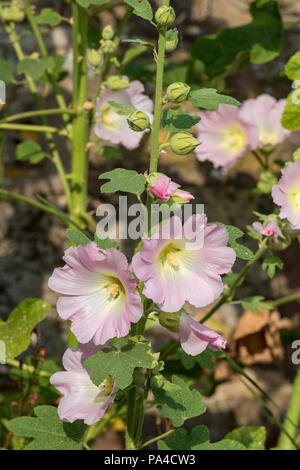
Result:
[[39, 112], [29, 127], [99, 10], [158, 438], [285, 300]]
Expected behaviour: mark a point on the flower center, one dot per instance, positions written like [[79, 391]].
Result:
[[268, 139], [107, 385], [114, 289], [295, 198], [234, 139], [169, 256], [108, 115]]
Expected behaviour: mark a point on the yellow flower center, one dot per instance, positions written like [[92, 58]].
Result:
[[294, 198], [234, 139], [108, 115], [170, 256], [107, 385], [268, 139], [114, 289]]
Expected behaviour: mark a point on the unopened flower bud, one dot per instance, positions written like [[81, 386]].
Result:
[[94, 58], [183, 143], [108, 46], [165, 16], [157, 381], [117, 83], [169, 320], [13, 13], [171, 40], [139, 378], [181, 197], [138, 121], [107, 32], [177, 92]]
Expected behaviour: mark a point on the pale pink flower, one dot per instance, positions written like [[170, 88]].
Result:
[[224, 135], [269, 230], [264, 112], [112, 126], [163, 188], [81, 398], [186, 265], [195, 337], [286, 194], [99, 293]]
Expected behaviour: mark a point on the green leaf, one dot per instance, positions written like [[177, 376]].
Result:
[[132, 54], [48, 431], [291, 116], [120, 363], [29, 151], [87, 3], [205, 359], [255, 303], [177, 120], [123, 109], [241, 251], [6, 70], [48, 16], [258, 41], [142, 8], [16, 330], [292, 68], [105, 242], [177, 402], [141, 42], [35, 68], [128, 181], [197, 440], [253, 438], [208, 98], [77, 238], [270, 264], [110, 152]]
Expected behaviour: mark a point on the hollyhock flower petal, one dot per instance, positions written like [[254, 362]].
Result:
[[224, 136], [112, 126], [271, 229], [163, 187], [286, 194], [81, 398], [99, 293], [195, 337], [264, 112], [184, 263]]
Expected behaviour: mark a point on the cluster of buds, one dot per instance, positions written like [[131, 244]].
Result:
[[117, 83], [165, 17], [14, 13], [108, 46]]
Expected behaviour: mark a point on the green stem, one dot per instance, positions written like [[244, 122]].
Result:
[[157, 438], [228, 295], [57, 160], [79, 138], [259, 159], [59, 97], [130, 419], [29, 127], [6, 195], [286, 299], [39, 112], [98, 10], [292, 419]]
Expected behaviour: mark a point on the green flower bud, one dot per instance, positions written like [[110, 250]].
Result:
[[107, 32], [13, 13], [171, 40], [108, 46], [183, 143], [94, 58], [157, 381], [177, 92], [138, 121], [117, 83], [165, 16], [170, 321], [139, 378], [296, 155]]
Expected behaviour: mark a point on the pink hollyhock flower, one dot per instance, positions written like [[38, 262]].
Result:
[[286, 194], [99, 294], [113, 126], [81, 398], [271, 229], [163, 188], [225, 136], [178, 268], [195, 338], [264, 112]]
